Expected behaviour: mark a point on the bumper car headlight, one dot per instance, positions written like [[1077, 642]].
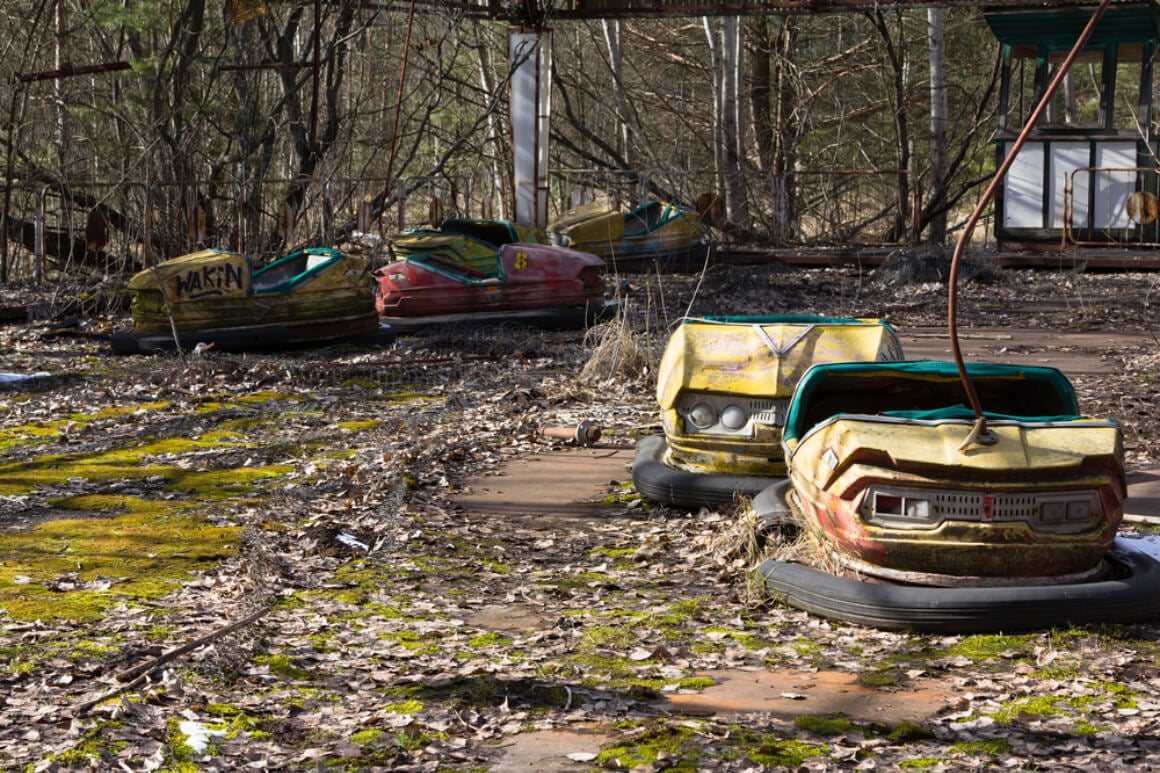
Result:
[[702, 416], [734, 417]]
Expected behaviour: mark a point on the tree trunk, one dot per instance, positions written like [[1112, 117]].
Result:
[[897, 61], [761, 90], [725, 50], [936, 25], [612, 40], [786, 133], [487, 85]]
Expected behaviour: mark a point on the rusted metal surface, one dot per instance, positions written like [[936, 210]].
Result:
[[657, 233], [214, 289], [459, 274], [750, 366], [583, 434], [893, 495]]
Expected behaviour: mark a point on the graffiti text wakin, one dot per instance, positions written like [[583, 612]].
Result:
[[209, 280]]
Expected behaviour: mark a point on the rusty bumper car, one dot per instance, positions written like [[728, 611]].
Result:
[[217, 297], [488, 272], [657, 234], [1014, 529], [723, 388]]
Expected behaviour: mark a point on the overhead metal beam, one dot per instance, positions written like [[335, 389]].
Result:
[[532, 11]]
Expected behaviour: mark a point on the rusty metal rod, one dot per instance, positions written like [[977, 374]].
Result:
[[585, 433], [980, 427]]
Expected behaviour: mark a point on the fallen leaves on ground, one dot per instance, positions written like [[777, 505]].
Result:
[[405, 632]]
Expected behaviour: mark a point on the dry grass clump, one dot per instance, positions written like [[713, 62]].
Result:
[[619, 351], [743, 544]]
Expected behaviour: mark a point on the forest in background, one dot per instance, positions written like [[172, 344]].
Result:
[[135, 131]]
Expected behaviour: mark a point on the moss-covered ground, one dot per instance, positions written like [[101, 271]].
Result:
[[145, 503]]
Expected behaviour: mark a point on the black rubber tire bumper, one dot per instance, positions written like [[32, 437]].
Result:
[[555, 318], [257, 338], [1132, 595], [679, 488], [771, 509]]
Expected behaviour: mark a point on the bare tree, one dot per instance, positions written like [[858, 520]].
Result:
[[936, 24], [724, 39]]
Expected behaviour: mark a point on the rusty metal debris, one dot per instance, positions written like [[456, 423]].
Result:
[[583, 434]]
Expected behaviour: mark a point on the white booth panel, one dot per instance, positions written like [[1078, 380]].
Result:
[[1023, 189], [1113, 187], [1066, 157]]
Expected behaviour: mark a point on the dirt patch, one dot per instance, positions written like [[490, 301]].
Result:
[[547, 751], [820, 693], [557, 486], [509, 617]]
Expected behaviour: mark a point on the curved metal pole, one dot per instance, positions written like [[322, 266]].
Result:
[[979, 432]]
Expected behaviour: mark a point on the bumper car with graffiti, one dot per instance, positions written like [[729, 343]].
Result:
[[456, 275], [723, 388], [936, 525], [217, 298]]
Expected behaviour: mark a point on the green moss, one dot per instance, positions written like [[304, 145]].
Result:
[[412, 640], [679, 744], [179, 749], [831, 725], [922, 763], [134, 464], [720, 638], [18, 667], [116, 503], [44, 431], [983, 648], [283, 666], [994, 747], [414, 741], [680, 612], [322, 641], [359, 426], [696, 683], [701, 646], [93, 748], [1087, 729], [908, 731], [75, 569], [583, 581], [773, 752], [364, 737], [222, 484], [612, 553], [1036, 707], [404, 707], [1124, 696], [607, 637], [290, 601], [235, 721], [615, 614], [879, 677], [625, 495], [267, 396], [489, 640]]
